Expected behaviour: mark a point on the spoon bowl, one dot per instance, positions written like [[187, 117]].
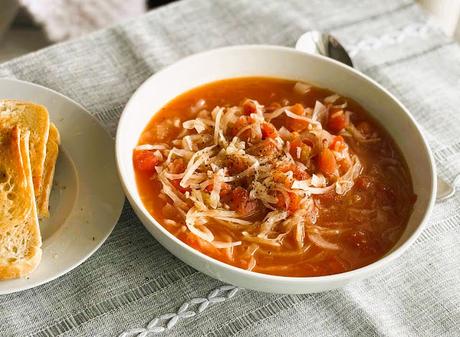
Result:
[[316, 42]]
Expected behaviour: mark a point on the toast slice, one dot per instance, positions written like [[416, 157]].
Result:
[[20, 238], [52, 151], [32, 117]]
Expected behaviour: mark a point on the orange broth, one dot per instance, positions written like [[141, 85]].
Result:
[[373, 214]]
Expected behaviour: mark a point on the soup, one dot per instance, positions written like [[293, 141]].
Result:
[[274, 176]]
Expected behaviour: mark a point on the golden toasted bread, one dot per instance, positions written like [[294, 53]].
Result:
[[20, 239], [52, 150], [32, 117]]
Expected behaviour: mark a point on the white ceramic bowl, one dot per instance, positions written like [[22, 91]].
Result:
[[241, 61]]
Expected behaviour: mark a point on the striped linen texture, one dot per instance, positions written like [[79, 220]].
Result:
[[132, 280]]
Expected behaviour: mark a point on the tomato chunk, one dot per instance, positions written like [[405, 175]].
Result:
[[145, 161], [294, 202], [268, 131], [327, 163], [265, 148], [282, 178], [294, 144], [297, 109], [337, 122], [292, 205], [236, 165], [224, 188], [338, 144], [241, 202], [299, 174], [294, 124], [302, 155]]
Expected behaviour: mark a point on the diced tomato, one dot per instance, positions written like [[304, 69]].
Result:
[[294, 144], [145, 161], [327, 163], [299, 174], [298, 109], [296, 124], [176, 184], [264, 148], [337, 122], [281, 178], [293, 204], [236, 165], [268, 130], [224, 188], [241, 202], [338, 144], [305, 150], [249, 107]]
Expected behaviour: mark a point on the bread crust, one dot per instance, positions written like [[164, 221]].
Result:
[[20, 239], [52, 152], [32, 117]]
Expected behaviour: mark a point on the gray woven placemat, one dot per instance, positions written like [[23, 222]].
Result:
[[132, 281]]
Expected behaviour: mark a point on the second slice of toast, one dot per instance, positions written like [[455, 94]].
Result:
[[52, 151]]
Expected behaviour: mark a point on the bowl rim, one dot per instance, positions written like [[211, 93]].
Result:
[[303, 280]]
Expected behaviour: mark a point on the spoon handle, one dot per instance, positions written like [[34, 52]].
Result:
[[445, 190]]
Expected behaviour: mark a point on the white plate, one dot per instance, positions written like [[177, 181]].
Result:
[[86, 200]]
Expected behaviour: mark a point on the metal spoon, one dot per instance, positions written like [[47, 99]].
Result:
[[316, 42]]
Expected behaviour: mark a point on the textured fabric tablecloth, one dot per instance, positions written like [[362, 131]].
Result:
[[132, 279]]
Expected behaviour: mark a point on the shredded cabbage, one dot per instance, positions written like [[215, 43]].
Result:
[[279, 181]]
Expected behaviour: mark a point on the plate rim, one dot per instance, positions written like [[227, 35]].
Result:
[[117, 214]]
